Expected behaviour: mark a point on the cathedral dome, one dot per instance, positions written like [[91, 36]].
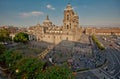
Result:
[[47, 21]]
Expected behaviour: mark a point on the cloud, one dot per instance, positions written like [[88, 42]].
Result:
[[50, 7], [33, 13]]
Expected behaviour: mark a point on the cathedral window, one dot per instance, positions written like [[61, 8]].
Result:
[[73, 13], [67, 17], [70, 25], [67, 27], [73, 21]]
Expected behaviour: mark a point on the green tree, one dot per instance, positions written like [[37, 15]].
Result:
[[23, 67], [29, 68], [4, 35], [21, 37], [58, 72], [100, 45], [2, 49], [11, 58]]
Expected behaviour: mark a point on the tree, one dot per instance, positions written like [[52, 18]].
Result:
[[21, 37], [11, 58], [58, 72], [29, 68], [24, 67], [4, 35], [100, 45], [2, 49]]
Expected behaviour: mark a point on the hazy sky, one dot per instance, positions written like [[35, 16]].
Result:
[[31, 12]]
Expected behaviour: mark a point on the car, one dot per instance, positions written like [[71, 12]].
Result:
[[110, 45], [116, 48], [112, 72], [118, 43], [104, 38]]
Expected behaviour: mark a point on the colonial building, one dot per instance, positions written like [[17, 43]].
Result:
[[49, 32], [70, 30], [102, 30]]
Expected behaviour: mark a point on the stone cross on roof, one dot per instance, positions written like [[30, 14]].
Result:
[[47, 17], [69, 7]]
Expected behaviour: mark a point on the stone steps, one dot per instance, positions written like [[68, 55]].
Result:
[[44, 53]]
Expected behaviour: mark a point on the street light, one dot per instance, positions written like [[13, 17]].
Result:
[[17, 70]]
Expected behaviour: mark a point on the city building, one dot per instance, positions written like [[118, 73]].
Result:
[[70, 30], [49, 32], [102, 31]]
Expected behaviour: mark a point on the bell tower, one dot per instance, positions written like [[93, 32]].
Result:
[[71, 19]]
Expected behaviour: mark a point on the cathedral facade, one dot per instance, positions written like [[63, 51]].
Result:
[[51, 33]]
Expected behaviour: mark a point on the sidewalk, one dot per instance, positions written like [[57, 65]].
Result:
[[2, 75]]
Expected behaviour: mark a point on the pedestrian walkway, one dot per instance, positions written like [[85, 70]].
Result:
[[44, 53], [99, 74]]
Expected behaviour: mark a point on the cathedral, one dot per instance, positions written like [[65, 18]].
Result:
[[70, 30], [51, 33]]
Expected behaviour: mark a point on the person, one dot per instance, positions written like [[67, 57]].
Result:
[[50, 59]]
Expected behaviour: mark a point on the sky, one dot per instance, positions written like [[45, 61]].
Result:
[[31, 12]]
